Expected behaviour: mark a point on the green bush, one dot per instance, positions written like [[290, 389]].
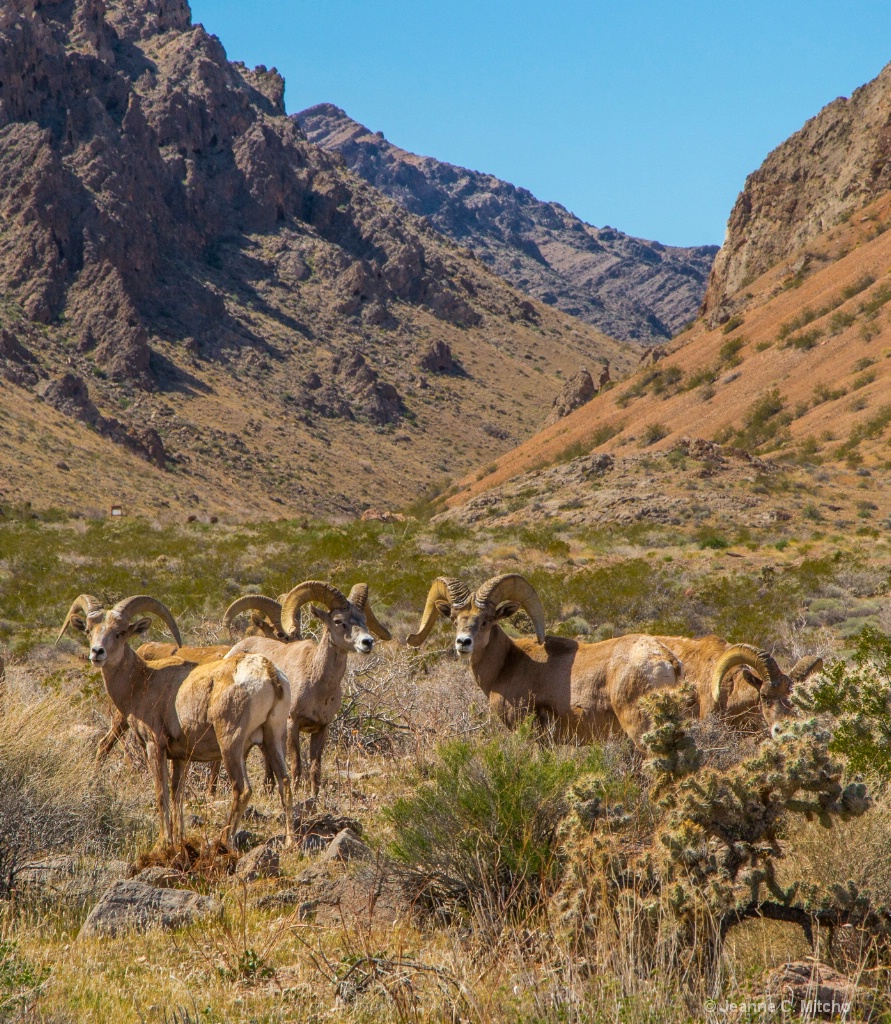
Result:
[[481, 831]]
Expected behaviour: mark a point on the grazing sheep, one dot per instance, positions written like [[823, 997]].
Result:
[[185, 712], [580, 691], [757, 694], [315, 670]]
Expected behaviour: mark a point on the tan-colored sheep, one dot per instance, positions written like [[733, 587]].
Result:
[[315, 670], [580, 692], [183, 712]]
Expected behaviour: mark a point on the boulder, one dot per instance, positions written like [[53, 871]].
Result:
[[130, 905], [261, 862], [346, 845], [814, 990]]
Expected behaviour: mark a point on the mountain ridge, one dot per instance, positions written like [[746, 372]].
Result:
[[628, 287], [188, 281]]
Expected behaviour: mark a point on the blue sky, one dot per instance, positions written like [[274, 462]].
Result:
[[643, 114]]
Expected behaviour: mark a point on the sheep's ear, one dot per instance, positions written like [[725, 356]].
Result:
[[257, 620], [506, 609], [444, 609], [78, 623], [752, 679], [322, 614], [139, 627]]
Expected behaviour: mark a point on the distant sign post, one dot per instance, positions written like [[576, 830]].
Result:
[[116, 511]]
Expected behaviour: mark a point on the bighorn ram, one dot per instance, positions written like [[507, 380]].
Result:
[[186, 712], [758, 693], [583, 691], [265, 620], [315, 670]]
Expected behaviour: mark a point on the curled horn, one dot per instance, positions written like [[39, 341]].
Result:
[[443, 588], [271, 609], [805, 667], [359, 598], [131, 606], [85, 603], [513, 587], [310, 590], [761, 663]]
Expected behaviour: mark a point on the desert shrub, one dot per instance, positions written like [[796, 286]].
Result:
[[51, 797], [652, 433], [763, 421], [480, 832], [860, 285], [729, 351], [857, 695], [732, 324]]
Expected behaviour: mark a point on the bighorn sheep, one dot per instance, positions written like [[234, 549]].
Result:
[[315, 670], [265, 620], [186, 712], [583, 691], [758, 693]]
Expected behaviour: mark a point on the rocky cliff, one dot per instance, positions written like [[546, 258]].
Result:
[[836, 164], [226, 301], [627, 287]]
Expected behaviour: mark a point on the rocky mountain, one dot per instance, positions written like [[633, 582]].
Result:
[[837, 163], [628, 287], [202, 309]]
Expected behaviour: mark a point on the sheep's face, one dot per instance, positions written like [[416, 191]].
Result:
[[473, 624], [347, 629], [109, 632], [776, 698], [261, 626]]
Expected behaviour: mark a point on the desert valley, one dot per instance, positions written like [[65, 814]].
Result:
[[564, 555]]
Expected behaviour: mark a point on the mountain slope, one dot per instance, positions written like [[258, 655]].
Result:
[[195, 289], [802, 379], [838, 162], [628, 287]]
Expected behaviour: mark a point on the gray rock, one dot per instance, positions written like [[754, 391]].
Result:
[[261, 862], [134, 906], [158, 875], [346, 845]]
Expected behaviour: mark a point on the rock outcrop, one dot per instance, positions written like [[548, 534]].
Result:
[[628, 287], [837, 163], [579, 389], [69, 395]]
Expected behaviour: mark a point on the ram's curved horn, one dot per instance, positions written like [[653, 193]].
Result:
[[513, 587], [443, 588], [761, 663], [805, 667], [85, 603], [131, 606], [359, 598], [309, 590], [271, 609]]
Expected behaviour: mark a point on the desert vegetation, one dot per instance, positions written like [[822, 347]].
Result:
[[495, 877]]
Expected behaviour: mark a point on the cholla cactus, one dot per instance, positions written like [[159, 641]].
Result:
[[709, 858], [858, 697]]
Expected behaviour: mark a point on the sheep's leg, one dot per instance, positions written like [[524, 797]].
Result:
[[316, 745], [274, 755], [236, 767], [213, 778], [178, 785], [157, 760], [270, 780], [294, 751], [118, 727]]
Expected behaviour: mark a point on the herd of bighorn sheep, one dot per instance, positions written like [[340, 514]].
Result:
[[212, 704]]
